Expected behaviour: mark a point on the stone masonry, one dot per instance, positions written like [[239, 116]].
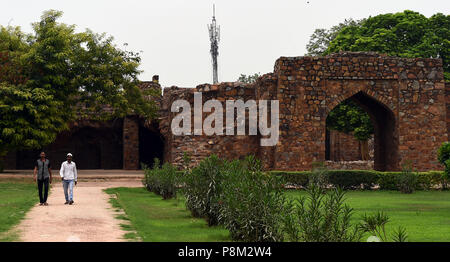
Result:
[[407, 99]]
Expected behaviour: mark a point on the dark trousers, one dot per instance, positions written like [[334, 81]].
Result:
[[44, 183]]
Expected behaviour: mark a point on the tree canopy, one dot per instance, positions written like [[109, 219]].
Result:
[[349, 117], [56, 75], [404, 34], [248, 79]]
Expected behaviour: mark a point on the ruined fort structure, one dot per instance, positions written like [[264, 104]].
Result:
[[407, 100]]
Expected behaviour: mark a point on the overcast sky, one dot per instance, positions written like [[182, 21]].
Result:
[[173, 35]]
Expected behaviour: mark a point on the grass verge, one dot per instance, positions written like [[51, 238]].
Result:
[[157, 220], [17, 196], [424, 214]]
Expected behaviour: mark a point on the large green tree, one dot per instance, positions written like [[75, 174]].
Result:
[[56, 75], [404, 34], [320, 40]]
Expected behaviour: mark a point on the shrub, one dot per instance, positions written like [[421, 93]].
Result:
[[365, 179], [444, 152], [162, 180], [202, 188], [407, 181], [150, 180], [444, 159], [294, 178], [252, 203], [322, 216], [376, 225], [353, 179]]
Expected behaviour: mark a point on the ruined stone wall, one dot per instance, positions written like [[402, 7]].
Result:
[[201, 146], [408, 94], [407, 100]]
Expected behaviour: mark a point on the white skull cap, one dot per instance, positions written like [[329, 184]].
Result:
[[69, 154]]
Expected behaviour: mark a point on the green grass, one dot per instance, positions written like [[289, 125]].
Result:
[[17, 196], [154, 219], [424, 214]]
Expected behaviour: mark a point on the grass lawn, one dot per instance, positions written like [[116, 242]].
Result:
[[160, 220], [17, 196], [424, 214]]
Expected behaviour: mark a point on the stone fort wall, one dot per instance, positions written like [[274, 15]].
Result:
[[407, 100]]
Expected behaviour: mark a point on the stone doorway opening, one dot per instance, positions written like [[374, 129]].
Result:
[[151, 145], [93, 145], [385, 140]]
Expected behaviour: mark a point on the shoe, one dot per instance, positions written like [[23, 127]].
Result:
[[67, 202], [71, 202], [41, 204], [45, 204]]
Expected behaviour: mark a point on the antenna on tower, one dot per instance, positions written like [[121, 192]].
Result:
[[214, 37]]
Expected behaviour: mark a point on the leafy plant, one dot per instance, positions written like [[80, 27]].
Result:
[[407, 182], [376, 225], [444, 159], [253, 203], [162, 180], [319, 176], [322, 216], [202, 189]]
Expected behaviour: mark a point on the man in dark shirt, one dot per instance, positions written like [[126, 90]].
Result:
[[43, 176]]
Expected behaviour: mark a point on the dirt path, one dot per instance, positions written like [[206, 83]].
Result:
[[91, 218]]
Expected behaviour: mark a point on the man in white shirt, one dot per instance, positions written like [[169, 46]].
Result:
[[68, 175]]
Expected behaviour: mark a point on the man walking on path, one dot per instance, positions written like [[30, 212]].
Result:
[[43, 176], [68, 175]]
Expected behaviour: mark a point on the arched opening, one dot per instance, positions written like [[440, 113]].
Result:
[[151, 145], [385, 142], [93, 147]]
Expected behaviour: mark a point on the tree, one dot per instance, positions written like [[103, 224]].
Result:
[[55, 76], [404, 34], [348, 117], [321, 38], [248, 79]]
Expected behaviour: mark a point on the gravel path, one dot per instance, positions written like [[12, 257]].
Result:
[[90, 219]]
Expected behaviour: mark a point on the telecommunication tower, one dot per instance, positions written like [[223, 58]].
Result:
[[214, 37]]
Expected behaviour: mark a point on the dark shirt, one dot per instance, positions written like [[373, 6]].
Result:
[[43, 167]]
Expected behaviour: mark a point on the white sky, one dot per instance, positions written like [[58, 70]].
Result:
[[173, 34]]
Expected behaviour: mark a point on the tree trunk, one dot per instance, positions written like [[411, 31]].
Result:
[[364, 146]]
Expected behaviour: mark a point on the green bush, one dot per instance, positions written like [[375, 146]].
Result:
[[407, 181], [321, 216], [162, 180], [365, 179], [294, 178], [352, 179], [444, 159], [202, 189], [252, 203], [444, 152]]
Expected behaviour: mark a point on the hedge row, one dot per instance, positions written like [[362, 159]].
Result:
[[366, 179]]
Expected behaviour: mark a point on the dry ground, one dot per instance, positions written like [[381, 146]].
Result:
[[91, 218]]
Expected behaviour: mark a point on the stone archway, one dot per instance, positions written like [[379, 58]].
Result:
[[151, 145], [385, 134]]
